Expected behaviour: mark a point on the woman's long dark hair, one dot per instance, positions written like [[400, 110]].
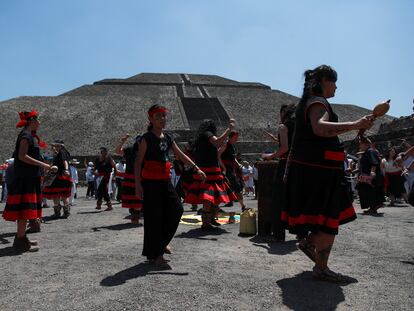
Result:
[[313, 80], [287, 113], [207, 125]]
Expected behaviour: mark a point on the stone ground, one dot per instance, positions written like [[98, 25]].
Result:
[[93, 261]]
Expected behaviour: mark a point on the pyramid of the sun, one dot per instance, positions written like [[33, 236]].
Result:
[[97, 115]]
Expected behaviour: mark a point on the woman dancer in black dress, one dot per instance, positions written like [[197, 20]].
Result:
[[316, 197], [215, 189], [162, 205], [128, 196], [60, 189], [24, 201], [227, 154]]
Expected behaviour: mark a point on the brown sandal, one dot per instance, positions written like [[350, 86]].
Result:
[[328, 275]]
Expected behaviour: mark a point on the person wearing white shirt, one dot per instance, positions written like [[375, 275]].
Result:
[[75, 180], [120, 167]]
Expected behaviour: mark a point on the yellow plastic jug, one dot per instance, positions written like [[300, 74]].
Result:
[[248, 222]]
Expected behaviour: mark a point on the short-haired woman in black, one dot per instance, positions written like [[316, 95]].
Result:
[[60, 189], [162, 205], [285, 134], [24, 200], [316, 196]]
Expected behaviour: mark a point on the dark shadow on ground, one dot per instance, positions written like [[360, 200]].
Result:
[[118, 227], [371, 215], [200, 234], [136, 271], [45, 219], [278, 248], [3, 237], [302, 292], [8, 251], [91, 212], [407, 262]]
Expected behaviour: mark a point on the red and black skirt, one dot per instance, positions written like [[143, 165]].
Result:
[[24, 200], [214, 190], [60, 188], [128, 197], [315, 199]]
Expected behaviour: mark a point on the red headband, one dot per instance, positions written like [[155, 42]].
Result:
[[157, 110], [24, 116]]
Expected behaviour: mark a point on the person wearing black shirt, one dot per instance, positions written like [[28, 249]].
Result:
[[128, 198], [285, 134], [162, 205], [232, 167], [60, 189], [104, 165], [316, 198], [215, 189], [371, 179], [24, 200]]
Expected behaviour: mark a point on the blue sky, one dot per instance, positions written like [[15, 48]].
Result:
[[48, 47]]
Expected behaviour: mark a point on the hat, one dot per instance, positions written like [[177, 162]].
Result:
[[74, 161], [91, 164], [58, 142], [25, 116]]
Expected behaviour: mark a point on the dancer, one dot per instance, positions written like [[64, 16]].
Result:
[[60, 189], [316, 198], [285, 134], [24, 201], [129, 198], [162, 206], [104, 165], [371, 179], [215, 189], [227, 154]]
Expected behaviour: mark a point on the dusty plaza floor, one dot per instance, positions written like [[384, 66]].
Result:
[[92, 261]]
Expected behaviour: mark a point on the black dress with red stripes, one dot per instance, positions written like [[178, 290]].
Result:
[[316, 197], [228, 157], [215, 189], [24, 199], [128, 197], [162, 205], [62, 185]]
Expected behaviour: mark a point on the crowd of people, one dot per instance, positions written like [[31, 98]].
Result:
[[313, 188]]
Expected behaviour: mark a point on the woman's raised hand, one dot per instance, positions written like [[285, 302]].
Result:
[[364, 123]]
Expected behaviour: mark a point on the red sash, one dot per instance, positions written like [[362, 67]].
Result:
[[156, 170]]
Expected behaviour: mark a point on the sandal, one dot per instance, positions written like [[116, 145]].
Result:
[[162, 263], [307, 248], [328, 275]]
